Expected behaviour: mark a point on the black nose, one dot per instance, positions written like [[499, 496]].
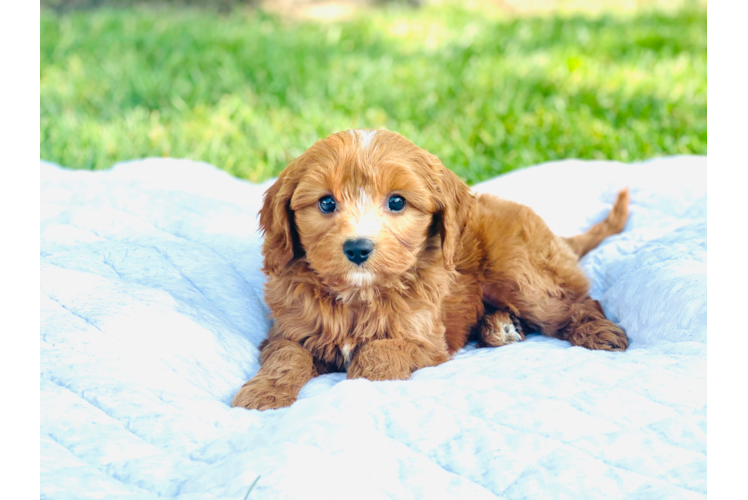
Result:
[[358, 251]]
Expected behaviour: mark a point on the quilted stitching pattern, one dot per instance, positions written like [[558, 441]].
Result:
[[152, 313]]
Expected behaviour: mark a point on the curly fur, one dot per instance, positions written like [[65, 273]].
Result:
[[449, 264]]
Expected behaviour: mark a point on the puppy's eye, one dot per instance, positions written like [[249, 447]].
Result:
[[327, 204], [396, 203]]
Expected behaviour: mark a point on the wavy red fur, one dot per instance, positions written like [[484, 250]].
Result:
[[450, 263]]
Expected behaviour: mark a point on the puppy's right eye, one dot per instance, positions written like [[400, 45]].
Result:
[[327, 204]]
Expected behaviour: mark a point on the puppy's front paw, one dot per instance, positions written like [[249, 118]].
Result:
[[382, 360], [262, 394], [374, 372]]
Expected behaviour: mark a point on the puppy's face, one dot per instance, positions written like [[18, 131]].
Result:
[[363, 212], [362, 207]]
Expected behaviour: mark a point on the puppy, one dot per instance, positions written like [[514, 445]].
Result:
[[381, 261]]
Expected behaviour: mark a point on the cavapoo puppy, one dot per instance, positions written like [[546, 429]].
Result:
[[381, 261]]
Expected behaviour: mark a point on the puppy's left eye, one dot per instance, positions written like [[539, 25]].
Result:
[[396, 203]]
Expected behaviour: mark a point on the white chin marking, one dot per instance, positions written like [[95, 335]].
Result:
[[360, 278]]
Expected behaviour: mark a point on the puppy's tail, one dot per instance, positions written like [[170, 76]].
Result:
[[613, 224]]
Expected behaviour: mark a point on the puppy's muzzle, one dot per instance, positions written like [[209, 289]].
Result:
[[358, 250]]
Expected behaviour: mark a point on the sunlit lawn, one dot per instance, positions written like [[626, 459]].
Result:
[[248, 92]]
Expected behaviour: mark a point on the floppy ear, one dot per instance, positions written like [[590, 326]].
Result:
[[281, 243], [455, 202]]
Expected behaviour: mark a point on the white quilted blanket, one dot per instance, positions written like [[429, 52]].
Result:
[[152, 312]]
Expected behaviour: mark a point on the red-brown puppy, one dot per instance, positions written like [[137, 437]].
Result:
[[381, 261]]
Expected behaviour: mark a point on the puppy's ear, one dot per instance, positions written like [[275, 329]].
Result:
[[281, 243], [454, 202]]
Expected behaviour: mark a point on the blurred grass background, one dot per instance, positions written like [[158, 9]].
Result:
[[487, 88]]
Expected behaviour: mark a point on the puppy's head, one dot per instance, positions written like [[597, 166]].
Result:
[[363, 207]]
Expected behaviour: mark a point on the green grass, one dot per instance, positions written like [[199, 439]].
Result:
[[248, 92]]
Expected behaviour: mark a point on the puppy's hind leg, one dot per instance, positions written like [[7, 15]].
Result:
[[591, 329], [498, 328]]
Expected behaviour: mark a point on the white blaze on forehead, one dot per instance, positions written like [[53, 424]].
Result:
[[363, 202], [366, 219], [367, 224], [365, 137]]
